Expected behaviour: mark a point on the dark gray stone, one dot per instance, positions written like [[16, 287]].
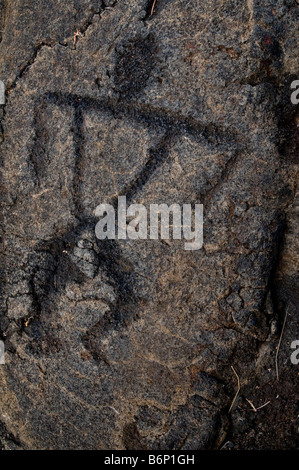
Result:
[[130, 344]]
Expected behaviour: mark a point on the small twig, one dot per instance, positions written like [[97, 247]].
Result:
[[278, 347], [265, 404], [235, 397], [142, 275], [77, 34], [252, 405], [254, 408], [153, 7], [112, 408]]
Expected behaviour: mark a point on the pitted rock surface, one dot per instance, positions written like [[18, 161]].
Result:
[[124, 344]]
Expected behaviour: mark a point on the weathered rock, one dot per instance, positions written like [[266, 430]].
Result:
[[129, 344]]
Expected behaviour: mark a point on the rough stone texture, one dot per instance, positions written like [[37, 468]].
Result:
[[129, 344]]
